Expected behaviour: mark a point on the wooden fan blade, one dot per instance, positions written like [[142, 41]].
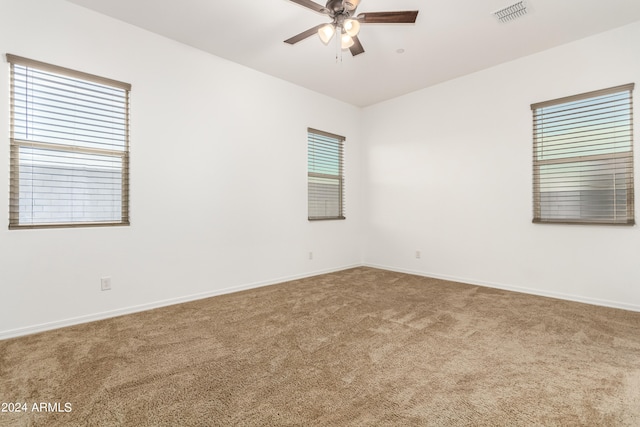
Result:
[[312, 5], [303, 35], [400, 17], [357, 48]]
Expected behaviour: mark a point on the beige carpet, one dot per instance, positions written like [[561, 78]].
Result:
[[362, 347]]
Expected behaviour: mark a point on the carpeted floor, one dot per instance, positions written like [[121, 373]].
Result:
[[361, 347]]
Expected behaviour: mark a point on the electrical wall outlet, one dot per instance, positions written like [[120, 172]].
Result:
[[418, 254], [310, 255], [105, 283]]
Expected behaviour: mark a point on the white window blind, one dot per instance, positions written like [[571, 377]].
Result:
[[69, 163], [583, 158], [325, 175]]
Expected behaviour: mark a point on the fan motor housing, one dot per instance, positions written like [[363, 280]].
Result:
[[337, 6]]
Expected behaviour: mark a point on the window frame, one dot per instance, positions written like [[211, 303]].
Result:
[[583, 155], [339, 148], [16, 144]]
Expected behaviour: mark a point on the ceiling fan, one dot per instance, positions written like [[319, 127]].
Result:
[[346, 24]]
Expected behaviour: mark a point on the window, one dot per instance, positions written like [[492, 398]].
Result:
[[583, 158], [69, 163], [325, 175]]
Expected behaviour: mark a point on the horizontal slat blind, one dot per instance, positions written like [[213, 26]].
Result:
[[583, 158], [325, 175], [69, 147]]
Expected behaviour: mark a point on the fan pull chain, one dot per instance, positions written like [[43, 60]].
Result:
[[338, 32], [339, 44]]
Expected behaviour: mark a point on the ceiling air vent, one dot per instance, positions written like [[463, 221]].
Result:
[[512, 12]]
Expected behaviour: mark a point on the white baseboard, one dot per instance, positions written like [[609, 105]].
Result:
[[557, 295], [13, 333], [28, 330]]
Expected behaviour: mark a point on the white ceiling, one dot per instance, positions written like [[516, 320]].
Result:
[[450, 38]]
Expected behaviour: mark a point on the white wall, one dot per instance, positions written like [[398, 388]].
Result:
[[218, 178], [447, 171]]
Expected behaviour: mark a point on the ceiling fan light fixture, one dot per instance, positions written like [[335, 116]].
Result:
[[346, 23], [351, 27], [346, 41], [350, 4], [326, 33]]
